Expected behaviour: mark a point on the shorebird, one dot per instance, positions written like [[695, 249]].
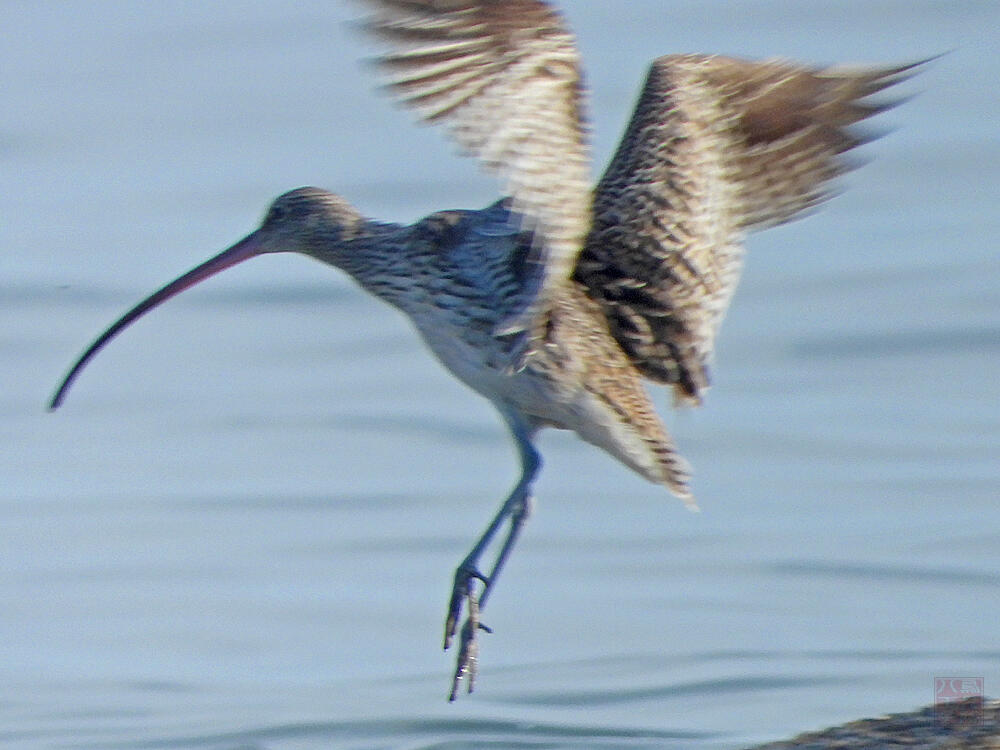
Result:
[[557, 301]]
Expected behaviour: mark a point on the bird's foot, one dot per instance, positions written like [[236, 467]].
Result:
[[467, 663], [463, 590]]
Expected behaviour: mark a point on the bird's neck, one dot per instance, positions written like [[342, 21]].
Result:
[[375, 255]]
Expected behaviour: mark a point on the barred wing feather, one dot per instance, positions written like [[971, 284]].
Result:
[[716, 147]]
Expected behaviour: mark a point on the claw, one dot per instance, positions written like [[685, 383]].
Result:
[[466, 665], [449, 626], [461, 591]]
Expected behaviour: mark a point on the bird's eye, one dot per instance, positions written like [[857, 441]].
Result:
[[277, 213]]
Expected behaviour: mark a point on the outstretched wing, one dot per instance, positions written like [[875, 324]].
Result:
[[503, 76], [716, 147]]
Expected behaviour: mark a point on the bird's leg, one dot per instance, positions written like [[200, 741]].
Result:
[[466, 590], [516, 509]]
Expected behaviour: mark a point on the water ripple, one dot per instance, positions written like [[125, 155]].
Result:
[[715, 687], [901, 342], [810, 568], [424, 734]]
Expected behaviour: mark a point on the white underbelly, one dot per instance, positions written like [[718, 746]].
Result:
[[488, 370]]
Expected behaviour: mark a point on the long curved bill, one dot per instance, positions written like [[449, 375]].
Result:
[[246, 248]]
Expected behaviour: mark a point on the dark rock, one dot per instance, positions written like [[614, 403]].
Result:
[[973, 724]]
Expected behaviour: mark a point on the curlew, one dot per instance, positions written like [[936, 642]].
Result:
[[556, 302]]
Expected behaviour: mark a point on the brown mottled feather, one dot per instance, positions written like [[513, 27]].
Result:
[[716, 147], [608, 377]]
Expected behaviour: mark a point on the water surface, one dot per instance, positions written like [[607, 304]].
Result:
[[239, 530]]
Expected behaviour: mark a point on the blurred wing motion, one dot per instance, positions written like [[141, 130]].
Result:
[[716, 147], [504, 77]]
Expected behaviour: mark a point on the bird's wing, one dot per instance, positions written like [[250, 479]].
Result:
[[503, 76], [716, 147]]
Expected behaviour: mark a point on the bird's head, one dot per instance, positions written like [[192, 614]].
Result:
[[307, 220]]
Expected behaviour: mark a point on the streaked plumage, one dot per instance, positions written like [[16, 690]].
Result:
[[556, 302], [504, 78], [716, 147]]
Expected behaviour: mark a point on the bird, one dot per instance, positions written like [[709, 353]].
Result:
[[562, 299]]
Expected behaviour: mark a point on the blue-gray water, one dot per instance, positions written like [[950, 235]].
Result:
[[240, 529]]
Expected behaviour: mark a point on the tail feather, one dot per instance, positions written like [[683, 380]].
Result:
[[612, 409]]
